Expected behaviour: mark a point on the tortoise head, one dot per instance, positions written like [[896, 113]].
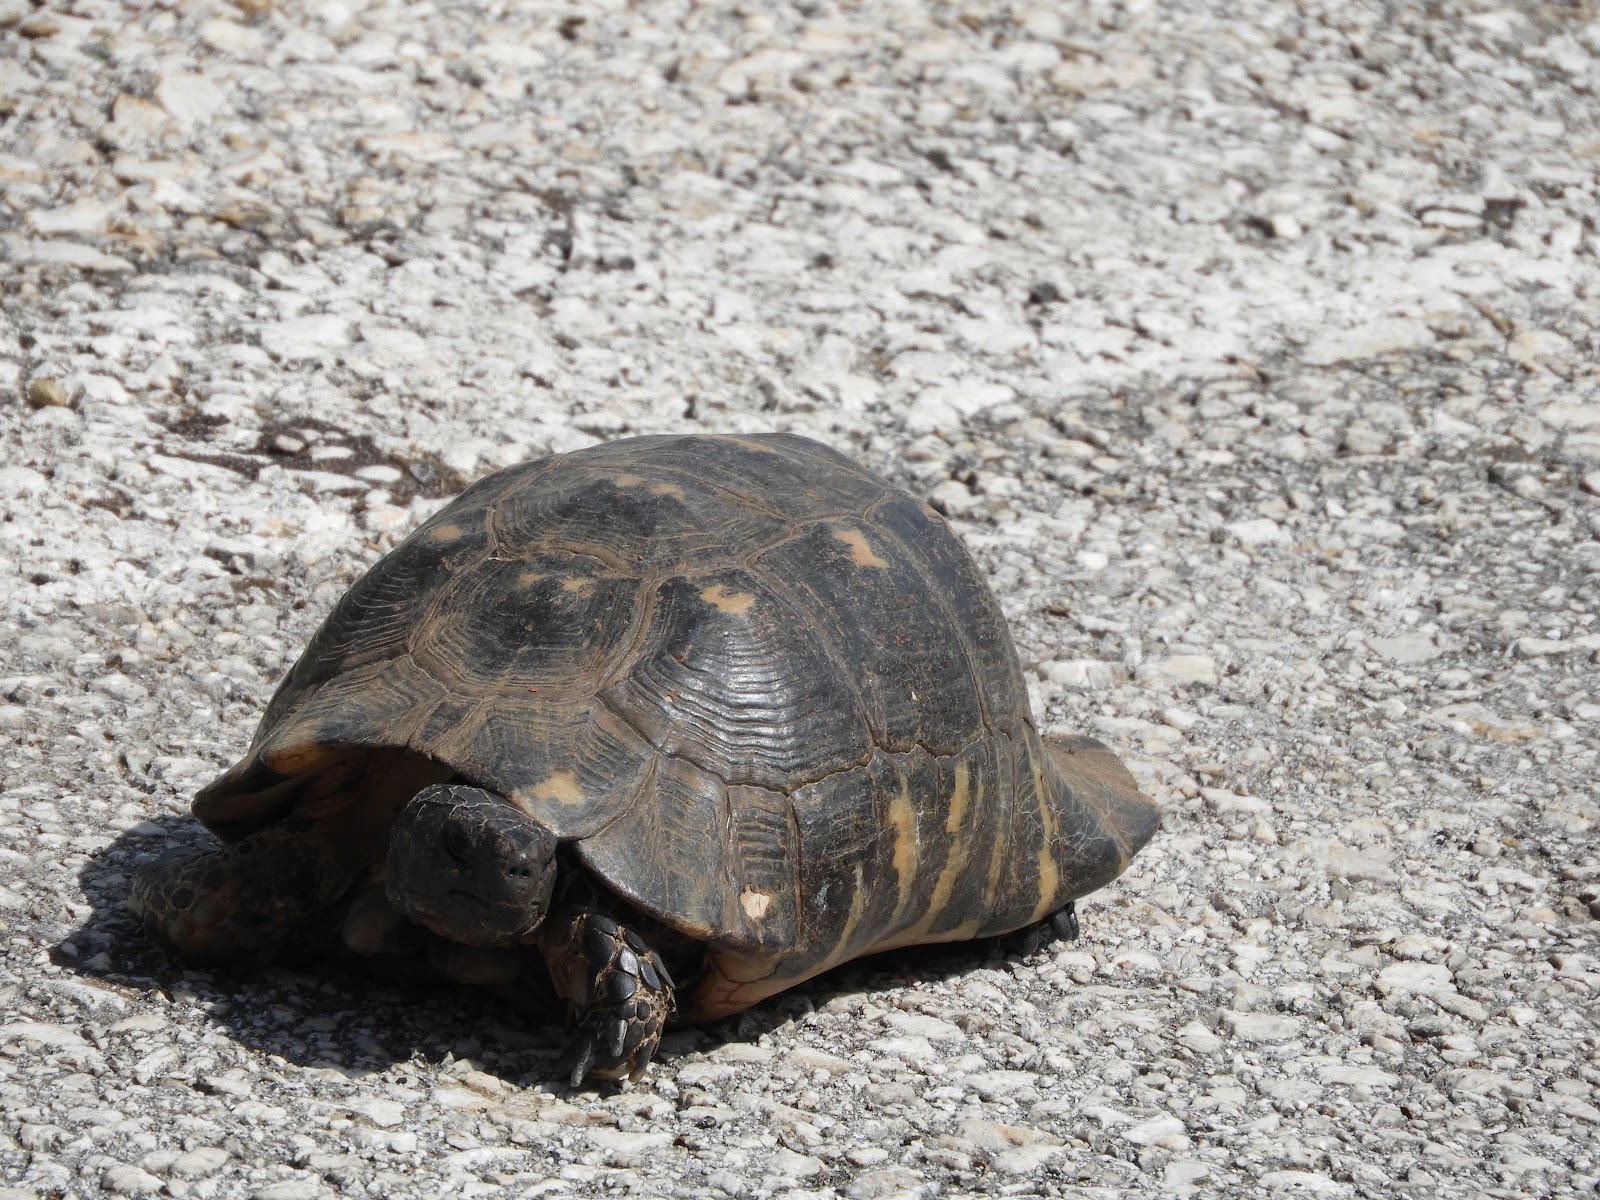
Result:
[[469, 866]]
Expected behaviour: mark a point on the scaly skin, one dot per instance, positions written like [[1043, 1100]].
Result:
[[244, 901]]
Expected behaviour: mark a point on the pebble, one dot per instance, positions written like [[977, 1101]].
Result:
[[47, 393], [1260, 1027], [1178, 669], [126, 1180], [1167, 1132], [199, 1163], [921, 1025], [1414, 978], [901, 1183], [303, 1188]]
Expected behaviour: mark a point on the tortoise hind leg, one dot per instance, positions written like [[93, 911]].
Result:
[[1064, 922], [1059, 926], [243, 901]]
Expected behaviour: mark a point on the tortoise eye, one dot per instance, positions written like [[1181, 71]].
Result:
[[457, 844]]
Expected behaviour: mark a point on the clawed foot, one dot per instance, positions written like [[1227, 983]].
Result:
[[1064, 923], [1059, 926], [621, 997]]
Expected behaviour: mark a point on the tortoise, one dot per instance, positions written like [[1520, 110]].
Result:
[[689, 718]]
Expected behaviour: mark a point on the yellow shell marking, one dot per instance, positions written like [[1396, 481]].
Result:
[[448, 532], [861, 551], [627, 480], [529, 578], [997, 859], [904, 821], [754, 903], [666, 489], [561, 787], [957, 860], [858, 905], [733, 603], [580, 586], [1049, 873], [958, 800]]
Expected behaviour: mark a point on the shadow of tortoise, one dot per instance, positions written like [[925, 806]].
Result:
[[340, 1013]]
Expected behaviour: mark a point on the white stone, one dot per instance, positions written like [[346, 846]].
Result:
[[1408, 648], [198, 1163], [1261, 1027], [304, 1188], [932, 412], [1258, 531], [1536, 347], [127, 1180], [1339, 861], [925, 1026], [83, 217], [1571, 416], [1305, 1182], [1178, 669], [1168, 1132], [43, 1033], [786, 1164], [995, 1084], [385, 1114], [1368, 341], [1421, 978], [1199, 1039], [21, 481], [1088, 673], [188, 98], [305, 337]]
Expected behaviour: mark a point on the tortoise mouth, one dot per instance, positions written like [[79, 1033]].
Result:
[[465, 916]]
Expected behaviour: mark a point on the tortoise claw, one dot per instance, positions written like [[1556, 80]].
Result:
[[575, 1063]]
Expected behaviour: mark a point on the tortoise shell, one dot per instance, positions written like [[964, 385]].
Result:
[[766, 696]]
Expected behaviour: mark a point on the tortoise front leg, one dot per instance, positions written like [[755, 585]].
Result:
[[244, 900], [619, 993]]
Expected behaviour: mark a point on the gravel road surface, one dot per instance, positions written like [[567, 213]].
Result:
[[1254, 348]]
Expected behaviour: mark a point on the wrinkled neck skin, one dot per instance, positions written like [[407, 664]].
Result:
[[468, 865]]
